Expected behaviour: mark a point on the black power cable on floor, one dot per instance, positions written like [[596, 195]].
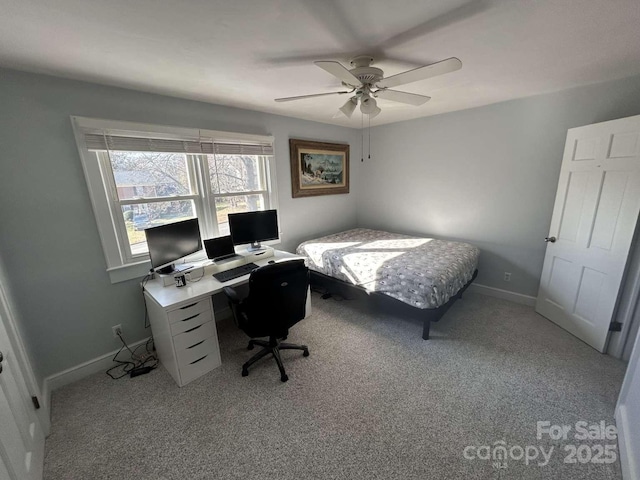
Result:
[[137, 360]]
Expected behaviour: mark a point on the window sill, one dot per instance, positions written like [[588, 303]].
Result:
[[129, 272], [140, 269]]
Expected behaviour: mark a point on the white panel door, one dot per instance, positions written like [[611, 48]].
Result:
[[592, 226], [21, 438]]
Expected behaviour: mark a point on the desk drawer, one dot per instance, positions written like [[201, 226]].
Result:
[[188, 339], [190, 322], [198, 367], [189, 310], [196, 351]]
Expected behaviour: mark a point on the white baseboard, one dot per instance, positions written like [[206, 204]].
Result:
[[73, 374], [629, 461], [503, 294], [103, 362], [99, 364]]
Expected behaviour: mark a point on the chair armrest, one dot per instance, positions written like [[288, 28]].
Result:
[[239, 316]]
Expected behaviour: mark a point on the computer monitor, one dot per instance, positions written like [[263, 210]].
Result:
[[171, 242], [253, 228], [220, 248]]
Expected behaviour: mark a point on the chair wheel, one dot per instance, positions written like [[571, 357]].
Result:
[[250, 346], [305, 353], [284, 378], [245, 372]]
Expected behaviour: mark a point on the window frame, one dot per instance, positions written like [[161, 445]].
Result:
[[211, 197], [121, 263], [116, 204]]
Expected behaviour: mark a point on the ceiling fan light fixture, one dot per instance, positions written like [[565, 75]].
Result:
[[368, 104], [368, 82], [349, 107]]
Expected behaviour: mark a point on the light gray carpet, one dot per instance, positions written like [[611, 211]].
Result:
[[373, 401]]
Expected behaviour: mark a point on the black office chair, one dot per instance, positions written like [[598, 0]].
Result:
[[276, 301]]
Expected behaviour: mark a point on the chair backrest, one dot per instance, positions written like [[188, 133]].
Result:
[[277, 298]]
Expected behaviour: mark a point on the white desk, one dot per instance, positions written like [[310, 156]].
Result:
[[183, 321]]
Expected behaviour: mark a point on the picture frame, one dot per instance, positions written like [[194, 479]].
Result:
[[318, 168]]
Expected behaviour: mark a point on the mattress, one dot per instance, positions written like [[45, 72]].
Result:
[[422, 272]]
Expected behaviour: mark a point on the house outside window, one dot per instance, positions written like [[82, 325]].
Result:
[[142, 176]]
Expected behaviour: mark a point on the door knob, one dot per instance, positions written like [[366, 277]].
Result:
[[550, 239]]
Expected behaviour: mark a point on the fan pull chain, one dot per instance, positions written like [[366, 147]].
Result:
[[369, 138], [362, 137]]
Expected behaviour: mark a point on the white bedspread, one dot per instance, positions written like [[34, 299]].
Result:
[[422, 272]]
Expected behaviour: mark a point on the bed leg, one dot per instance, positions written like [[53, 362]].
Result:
[[425, 329]]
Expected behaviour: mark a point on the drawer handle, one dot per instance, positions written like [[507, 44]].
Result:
[[196, 361], [188, 306], [195, 345], [194, 328], [191, 318]]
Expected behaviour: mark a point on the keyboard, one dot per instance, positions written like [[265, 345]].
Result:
[[235, 272]]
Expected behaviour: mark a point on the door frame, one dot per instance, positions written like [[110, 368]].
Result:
[[627, 311], [20, 352], [629, 460]]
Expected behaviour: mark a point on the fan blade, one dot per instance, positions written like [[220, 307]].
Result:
[[466, 11], [302, 97], [334, 19], [337, 70], [421, 73], [301, 58], [402, 97]]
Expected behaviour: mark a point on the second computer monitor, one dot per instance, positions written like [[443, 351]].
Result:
[[253, 228]]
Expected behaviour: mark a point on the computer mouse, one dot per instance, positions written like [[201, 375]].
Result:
[[271, 261]]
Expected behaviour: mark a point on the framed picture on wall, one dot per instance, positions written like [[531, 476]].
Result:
[[318, 168]]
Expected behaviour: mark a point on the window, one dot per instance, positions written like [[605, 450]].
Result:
[[151, 189], [238, 184], [141, 176]]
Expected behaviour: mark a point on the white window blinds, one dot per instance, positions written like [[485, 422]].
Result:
[[102, 142]]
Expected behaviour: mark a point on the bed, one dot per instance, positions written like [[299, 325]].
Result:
[[419, 277]]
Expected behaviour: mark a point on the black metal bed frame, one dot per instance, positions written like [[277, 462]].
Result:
[[386, 303]]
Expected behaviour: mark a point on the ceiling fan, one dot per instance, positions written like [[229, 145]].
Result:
[[368, 83]]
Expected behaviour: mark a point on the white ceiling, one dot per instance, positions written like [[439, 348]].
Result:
[[245, 53]]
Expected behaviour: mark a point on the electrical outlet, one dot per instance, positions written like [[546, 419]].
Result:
[[116, 329], [507, 276]]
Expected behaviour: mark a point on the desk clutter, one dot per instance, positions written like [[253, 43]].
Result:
[[209, 267], [183, 319], [179, 297]]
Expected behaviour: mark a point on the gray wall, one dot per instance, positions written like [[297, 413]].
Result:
[[486, 175], [48, 235]]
